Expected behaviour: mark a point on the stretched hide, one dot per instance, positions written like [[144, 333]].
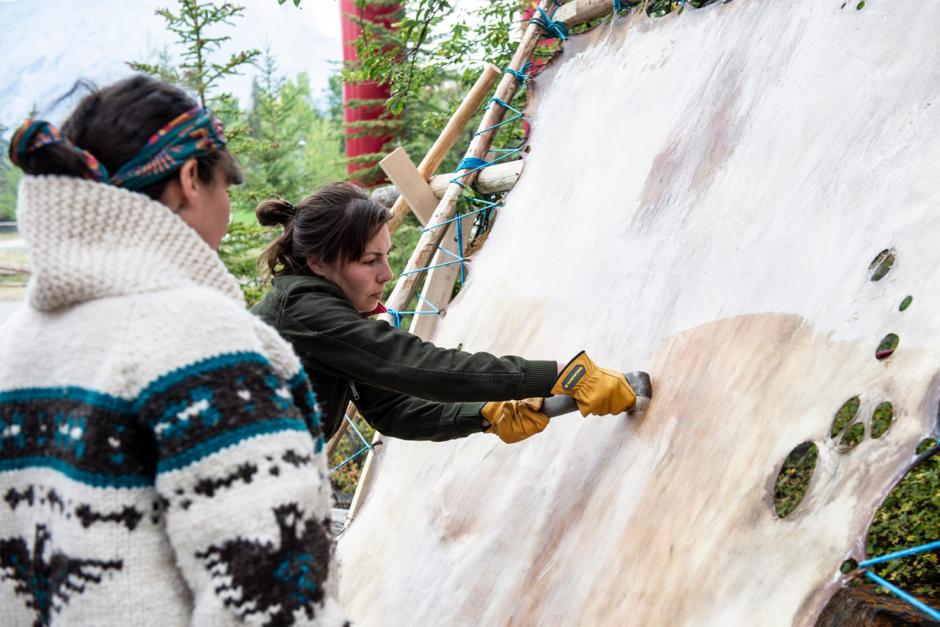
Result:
[[704, 198]]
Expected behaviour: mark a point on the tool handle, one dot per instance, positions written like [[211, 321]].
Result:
[[640, 383], [558, 405]]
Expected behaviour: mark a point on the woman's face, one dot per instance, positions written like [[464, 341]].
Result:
[[362, 279], [203, 206]]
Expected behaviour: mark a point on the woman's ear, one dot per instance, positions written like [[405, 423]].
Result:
[[316, 267], [190, 185]]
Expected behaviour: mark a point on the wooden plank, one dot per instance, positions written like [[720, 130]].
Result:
[[452, 131], [413, 187], [364, 478], [338, 436]]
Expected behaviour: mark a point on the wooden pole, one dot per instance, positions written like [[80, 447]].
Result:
[[13, 268], [581, 11], [446, 209], [498, 178], [449, 136]]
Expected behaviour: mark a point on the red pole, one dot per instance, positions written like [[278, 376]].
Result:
[[369, 144]]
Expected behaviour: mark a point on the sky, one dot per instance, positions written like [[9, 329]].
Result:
[[46, 45]]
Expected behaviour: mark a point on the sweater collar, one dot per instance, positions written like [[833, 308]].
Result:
[[89, 240]]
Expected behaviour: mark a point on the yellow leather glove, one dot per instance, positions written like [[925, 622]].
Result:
[[596, 390], [514, 421]]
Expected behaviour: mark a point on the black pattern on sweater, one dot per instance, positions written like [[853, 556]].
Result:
[[260, 578], [91, 437], [44, 577], [37, 495], [192, 408]]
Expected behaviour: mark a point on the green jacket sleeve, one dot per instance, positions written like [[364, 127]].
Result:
[[328, 331], [410, 418]]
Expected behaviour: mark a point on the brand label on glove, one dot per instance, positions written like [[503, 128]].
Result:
[[573, 377]]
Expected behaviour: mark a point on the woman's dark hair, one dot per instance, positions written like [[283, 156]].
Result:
[[114, 123], [334, 224]]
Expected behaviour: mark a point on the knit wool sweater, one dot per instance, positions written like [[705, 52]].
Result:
[[160, 456]]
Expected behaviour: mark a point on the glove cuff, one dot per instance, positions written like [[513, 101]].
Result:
[[572, 374]]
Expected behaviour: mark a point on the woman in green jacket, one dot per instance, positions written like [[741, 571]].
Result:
[[330, 267]]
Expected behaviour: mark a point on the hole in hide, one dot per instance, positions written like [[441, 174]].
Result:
[[881, 419], [851, 438], [882, 264], [906, 303], [887, 346], [926, 444], [844, 416], [794, 477], [848, 566]]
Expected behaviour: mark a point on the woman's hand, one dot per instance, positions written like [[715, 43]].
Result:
[[599, 391], [514, 421]]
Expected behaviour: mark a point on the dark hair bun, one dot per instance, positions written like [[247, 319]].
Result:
[[275, 211], [59, 159]]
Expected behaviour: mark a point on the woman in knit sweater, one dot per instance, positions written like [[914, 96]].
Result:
[[160, 447], [330, 267]]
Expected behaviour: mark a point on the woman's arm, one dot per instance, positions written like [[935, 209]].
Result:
[[410, 418], [329, 333]]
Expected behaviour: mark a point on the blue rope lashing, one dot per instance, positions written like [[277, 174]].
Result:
[[368, 447], [463, 267], [396, 317], [917, 550], [505, 105], [521, 75], [618, 6], [471, 163], [557, 29]]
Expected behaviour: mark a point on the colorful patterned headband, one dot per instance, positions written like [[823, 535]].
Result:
[[194, 133]]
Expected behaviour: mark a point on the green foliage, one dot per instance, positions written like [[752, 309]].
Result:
[[910, 516], [192, 26], [404, 241], [794, 478], [844, 416], [239, 252], [288, 148], [436, 40], [851, 437], [881, 419], [284, 144], [346, 478], [9, 180]]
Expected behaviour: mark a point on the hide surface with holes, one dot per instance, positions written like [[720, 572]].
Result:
[[703, 198]]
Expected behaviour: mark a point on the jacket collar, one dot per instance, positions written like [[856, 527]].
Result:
[[288, 282], [89, 240]]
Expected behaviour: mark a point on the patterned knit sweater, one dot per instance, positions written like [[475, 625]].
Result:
[[160, 458]]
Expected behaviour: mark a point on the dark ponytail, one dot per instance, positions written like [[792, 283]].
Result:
[[113, 124], [334, 224]]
